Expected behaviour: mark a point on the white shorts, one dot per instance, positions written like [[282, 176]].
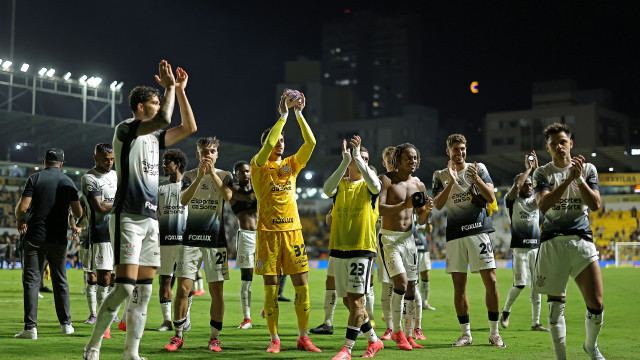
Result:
[[188, 262], [85, 259], [474, 251], [168, 259], [399, 253], [559, 258], [383, 275], [352, 275], [216, 265], [331, 267], [424, 261], [135, 239], [246, 248], [102, 256], [524, 265]]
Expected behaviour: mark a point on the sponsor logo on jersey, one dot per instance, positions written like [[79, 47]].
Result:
[[471, 226], [288, 220], [200, 237], [150, 206]]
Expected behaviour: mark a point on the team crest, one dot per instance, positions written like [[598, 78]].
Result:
[[99, 260], [391, 264], [129, 249], [259, 264], [518, 276], [285, 169], [540, 281], [241, 259]]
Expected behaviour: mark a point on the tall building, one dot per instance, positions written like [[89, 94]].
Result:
[[378, 57], [587, 112]]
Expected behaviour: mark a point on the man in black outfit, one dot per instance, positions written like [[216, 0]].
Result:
[[42, 215]]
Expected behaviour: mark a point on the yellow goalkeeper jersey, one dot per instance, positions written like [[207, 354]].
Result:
[[274, 184]]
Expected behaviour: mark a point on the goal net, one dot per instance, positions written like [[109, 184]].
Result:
[[627, 253]]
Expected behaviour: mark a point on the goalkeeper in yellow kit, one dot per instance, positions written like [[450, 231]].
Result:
[[280, 247]]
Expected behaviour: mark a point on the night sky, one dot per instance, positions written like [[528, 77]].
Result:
[[235, 53]]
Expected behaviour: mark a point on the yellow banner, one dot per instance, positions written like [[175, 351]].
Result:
[[619, 179]]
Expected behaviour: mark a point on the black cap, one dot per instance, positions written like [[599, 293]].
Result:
[[54, 155]]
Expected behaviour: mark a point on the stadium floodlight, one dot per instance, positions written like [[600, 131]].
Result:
[[119, 86], [24, 67], [635, 152], [82, 79], [113, 85], [42, 71], [6, 65], [18, 146], [593, 154], [94, 81], [611, 169], [67, 76], [50, 72], [308, 175]]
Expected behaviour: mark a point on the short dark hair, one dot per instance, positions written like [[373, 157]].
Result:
[[238, 164], [454, 138], [103, 148], [364, 149], [556, 128], [178, 157], [263, 137], [515, 179], [140, 95], [397, 153], [207, 141]]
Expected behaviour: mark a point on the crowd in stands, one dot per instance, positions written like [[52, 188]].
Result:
[[608, 226]]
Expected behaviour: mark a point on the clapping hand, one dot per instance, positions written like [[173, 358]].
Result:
[[165, 77]]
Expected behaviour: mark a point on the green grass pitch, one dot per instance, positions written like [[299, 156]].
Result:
[[618, 339]]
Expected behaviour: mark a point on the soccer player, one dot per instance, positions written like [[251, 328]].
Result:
[[245, 206], [383, 275], [468, 225], [352, 243], [98, 192], [565, 190], [134, 225], [172, 218], [525, 241], [280, 247], [401, 196], [207, 190]]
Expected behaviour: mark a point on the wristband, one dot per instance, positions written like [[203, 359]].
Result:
[[579, 180]]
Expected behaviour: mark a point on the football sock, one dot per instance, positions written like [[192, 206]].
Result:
[[137, 316], [108, 310], [271, 310], [302, 306], [329, 306], [245, 298], [397, 307], [558, 328], [593, 323]]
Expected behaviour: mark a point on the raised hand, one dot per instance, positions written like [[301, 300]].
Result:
[[472, 172], [282, 107], [356, 141], [181, 80], [202, 168], [577, 166], [429, 204], [165, 77], [302, 103], [535, 159], [452, 171]]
